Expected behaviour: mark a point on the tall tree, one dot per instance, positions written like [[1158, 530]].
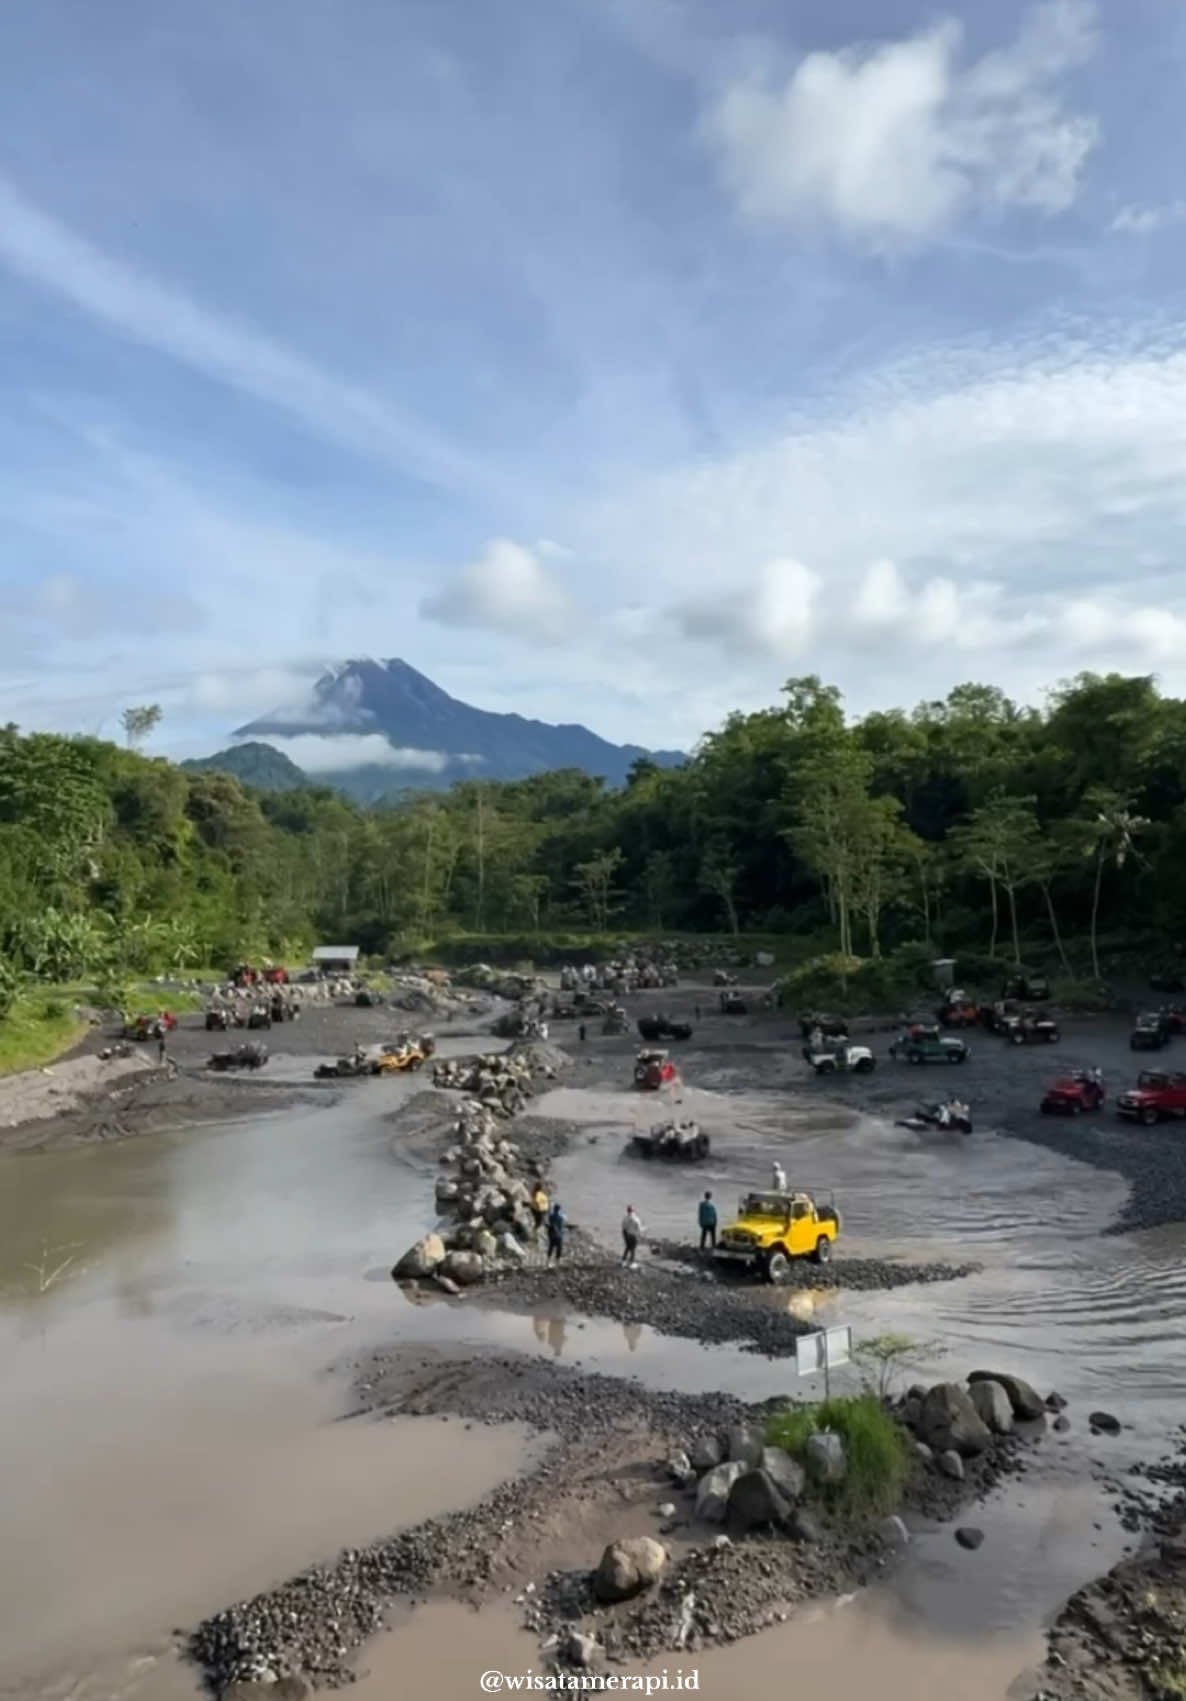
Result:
[[140, 723]]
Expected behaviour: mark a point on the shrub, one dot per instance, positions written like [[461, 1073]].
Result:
[[875, 1443], [854, 986], [54, 1010]]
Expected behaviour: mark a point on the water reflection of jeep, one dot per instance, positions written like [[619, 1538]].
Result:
[[773, 1228]]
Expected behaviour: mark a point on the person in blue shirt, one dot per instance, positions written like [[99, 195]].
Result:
[[707, 1217], [557, 1225]]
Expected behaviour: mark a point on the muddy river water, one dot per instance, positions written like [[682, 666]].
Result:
[[168, 1426]]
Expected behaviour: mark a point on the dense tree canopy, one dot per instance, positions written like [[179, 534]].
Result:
[[970, 822]]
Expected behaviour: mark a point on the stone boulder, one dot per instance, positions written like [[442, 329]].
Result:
[[951, 1465], [628, 1567], [755, 1502], [463, 1267], [787, 1474], [1103, 1423], [743, 1442], [994, 1406], [712, 1496], [484, 1244], [1027, 1404], [950, 1422], [423, 1258], [827, 1461], [804, 1527], [893, 1532], [705, 1452], [680, 1469], [969, 1538]]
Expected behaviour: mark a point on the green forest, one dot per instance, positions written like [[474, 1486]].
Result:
[[967, 825]]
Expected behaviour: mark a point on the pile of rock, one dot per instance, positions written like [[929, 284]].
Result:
[[524, 1020], [955, 1423], [499, 983], [482, 1187], [743, 1484], [499, 1080], [428, 992]]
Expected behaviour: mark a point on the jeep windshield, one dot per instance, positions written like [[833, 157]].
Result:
[[764, 1205], [1153, 1078]]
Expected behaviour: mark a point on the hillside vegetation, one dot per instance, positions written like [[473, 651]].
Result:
[[969, 825]]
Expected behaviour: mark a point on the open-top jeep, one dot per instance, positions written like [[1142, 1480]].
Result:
[[773, 1228]]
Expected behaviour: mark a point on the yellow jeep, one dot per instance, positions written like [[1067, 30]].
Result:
[[406, 1056], [773, 1228]]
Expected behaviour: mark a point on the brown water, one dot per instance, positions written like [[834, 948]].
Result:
[[848, 1652], [167, 1440]]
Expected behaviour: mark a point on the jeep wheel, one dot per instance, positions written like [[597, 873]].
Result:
[[778, 1266], [1046, 1108], [823, 1250], [914, 1057], [1053, 1037], [1149, 1118], [1017, 1039], [864, 1066], [1076, 1106]]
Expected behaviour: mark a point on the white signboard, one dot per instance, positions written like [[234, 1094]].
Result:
[[823, 1349]]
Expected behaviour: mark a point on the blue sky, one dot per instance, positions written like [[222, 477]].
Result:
[[610, 360]]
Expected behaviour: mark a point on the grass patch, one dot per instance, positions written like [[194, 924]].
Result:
[[38, 1028], [876, 1445]]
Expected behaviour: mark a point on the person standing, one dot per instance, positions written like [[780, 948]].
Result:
[[707, 1217], [557, 1226], [631, 1235], [162, 1049], [581, 1033], [778, 1177]]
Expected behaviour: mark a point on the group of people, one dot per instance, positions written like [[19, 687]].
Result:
[[550, 1216]]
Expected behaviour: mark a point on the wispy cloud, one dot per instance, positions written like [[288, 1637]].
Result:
[[1138, 220], [45, 252], [316, 754]]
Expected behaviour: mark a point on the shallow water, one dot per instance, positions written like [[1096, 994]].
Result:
[[166, 1440]]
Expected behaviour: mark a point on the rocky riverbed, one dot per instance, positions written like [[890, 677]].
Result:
[[627, 1466]]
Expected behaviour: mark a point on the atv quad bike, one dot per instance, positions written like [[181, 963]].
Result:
[[831, 1027], [345, 1069], [679, 1142], [662, 1027], [260, 1017], [252, 1054], [931, 1116]]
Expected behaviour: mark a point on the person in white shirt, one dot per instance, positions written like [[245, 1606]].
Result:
[[778, 1178], [631, 1235]]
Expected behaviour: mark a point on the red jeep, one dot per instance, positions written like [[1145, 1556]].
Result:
[[1156, 1094], [653, 1069], [276, 976], [1072, 1094]]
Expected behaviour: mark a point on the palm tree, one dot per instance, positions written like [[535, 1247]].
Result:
[[1112, 828]]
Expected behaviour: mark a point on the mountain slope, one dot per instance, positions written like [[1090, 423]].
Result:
[[255, 765], [435, 738]]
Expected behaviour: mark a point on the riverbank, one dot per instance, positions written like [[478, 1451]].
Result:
[[604, 1479]]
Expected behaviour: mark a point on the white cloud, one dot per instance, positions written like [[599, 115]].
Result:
[[771, 614], [890, 144], [324, 755], [41, 249], [507, 589], [1138, 220]]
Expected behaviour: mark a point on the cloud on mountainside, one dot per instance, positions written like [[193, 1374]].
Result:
[[889, 144], [507, 589], [316, 754]]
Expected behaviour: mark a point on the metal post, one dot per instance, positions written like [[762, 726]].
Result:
[[827, 1378]]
